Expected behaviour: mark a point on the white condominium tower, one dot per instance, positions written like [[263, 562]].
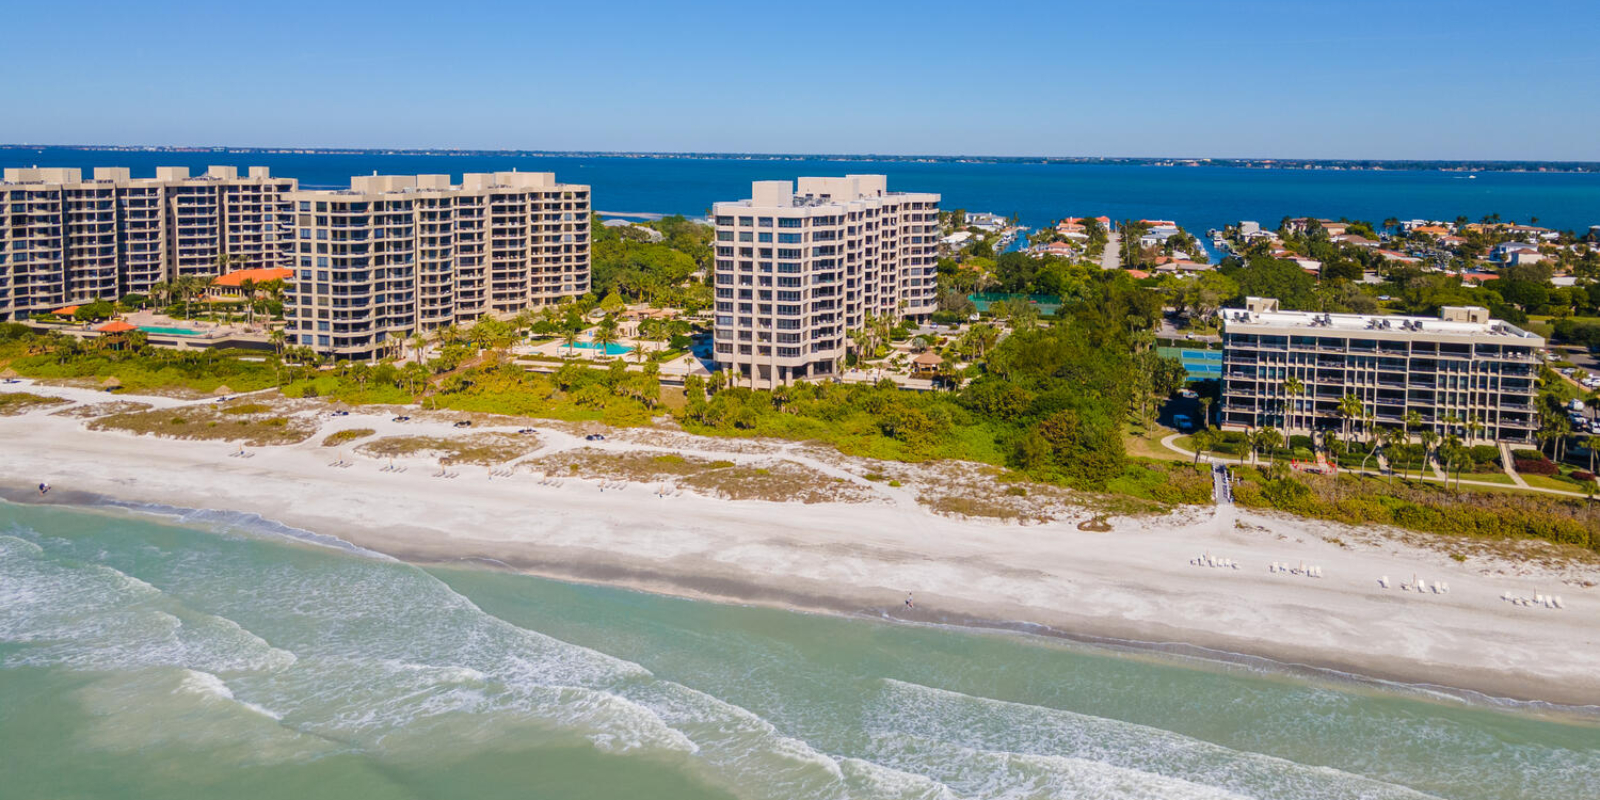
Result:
[[1460, 372], [65, 239], [397, 255], [798, 268]]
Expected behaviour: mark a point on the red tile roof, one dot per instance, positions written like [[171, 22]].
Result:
[[263, 275]]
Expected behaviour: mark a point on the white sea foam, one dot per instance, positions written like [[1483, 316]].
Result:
[[962, 739], [209, 685]]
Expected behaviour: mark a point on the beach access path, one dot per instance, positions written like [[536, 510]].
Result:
[[1137, 582]]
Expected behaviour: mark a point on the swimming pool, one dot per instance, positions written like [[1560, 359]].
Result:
[[610, 348], [157, 329]]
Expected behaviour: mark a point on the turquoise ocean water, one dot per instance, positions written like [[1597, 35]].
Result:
[[145, 656], [1198, 198]]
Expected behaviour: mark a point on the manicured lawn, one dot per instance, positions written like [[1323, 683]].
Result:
[[1488, 477], [1547, 482], [1139, 446]]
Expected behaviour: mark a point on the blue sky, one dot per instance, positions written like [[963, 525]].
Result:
[[1270, 79]]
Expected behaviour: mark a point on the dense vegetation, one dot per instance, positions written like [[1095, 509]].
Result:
[[1050, 403], [1422, 506]]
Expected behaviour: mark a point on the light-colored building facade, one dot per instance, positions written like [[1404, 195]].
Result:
[[68, 239], [397, 255], [1460, 372], [799, 266]]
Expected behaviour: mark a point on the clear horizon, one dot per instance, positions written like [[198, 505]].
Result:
[[1365, 81], [443, 151]]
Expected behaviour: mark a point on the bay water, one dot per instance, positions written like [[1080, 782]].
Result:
[[216, 655], [1199, 198]]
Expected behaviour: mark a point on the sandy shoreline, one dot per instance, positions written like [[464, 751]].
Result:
[[1134, 583]]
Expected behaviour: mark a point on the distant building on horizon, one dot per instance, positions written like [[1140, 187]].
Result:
[[800, 267], [1461, 372]]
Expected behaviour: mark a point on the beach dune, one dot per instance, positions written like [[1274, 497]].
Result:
[[1134, 583]]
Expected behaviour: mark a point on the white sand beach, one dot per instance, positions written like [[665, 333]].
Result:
[[1135, 582]]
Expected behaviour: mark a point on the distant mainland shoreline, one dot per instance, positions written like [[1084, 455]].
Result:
[[1334, 165]]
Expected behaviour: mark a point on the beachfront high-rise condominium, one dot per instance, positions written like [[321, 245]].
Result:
[[799, 267], [397, 255], [1460, 372], [65, 239]]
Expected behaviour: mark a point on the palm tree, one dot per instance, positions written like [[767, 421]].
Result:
[[1375, 437], [277, 337], [1294, 388], [1201, 441], [1413, 420], [1593, 443], [1430, 440], [1391, 438], [605, 334], [1451, 449], [1205, 413], [1270, 439], [569, 337], [1349, 409]]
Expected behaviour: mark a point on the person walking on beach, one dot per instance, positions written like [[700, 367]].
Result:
[[44, 489], [909, 604]]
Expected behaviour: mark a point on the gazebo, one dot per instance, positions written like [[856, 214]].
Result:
[[222, 391], [926, 364], [111, 384], [116, 331]]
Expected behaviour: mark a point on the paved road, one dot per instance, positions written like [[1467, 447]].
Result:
[[1112, 257]]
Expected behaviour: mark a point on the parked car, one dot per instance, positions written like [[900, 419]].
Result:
[[402, 418], [466, 423], [594, 437], [1189, 394], [1575, 405]]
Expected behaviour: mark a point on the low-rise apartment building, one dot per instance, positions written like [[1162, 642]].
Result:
[[1460, 372], [65, 239], [799, 267], [397, 255]]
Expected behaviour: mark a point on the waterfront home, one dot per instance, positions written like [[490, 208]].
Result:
[[1352, 238], [1395, 255], [1517, 253]]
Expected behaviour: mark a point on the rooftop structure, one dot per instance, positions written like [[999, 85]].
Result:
[[799, 267], [1461, 372]]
